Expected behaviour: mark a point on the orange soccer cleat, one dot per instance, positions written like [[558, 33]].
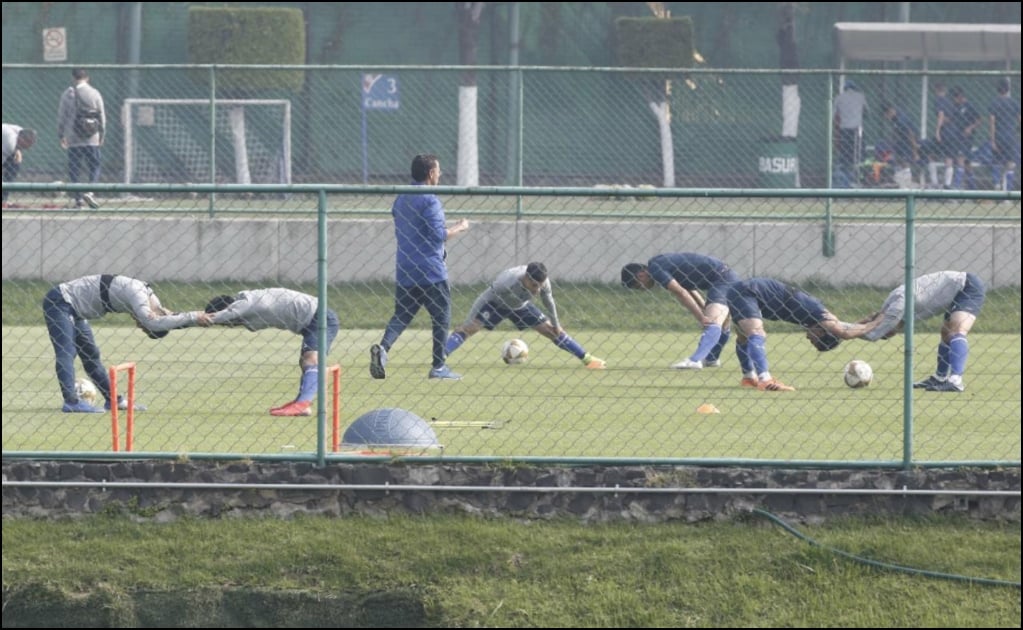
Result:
[[293, 408], [774, 385]]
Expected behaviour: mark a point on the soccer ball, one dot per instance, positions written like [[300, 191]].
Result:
[[86, 391], [858, 373], [514, 351]]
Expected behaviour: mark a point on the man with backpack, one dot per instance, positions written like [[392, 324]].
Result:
[[81, 125]]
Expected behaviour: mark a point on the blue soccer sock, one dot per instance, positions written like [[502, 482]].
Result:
[[307, 386], [745, 362], [959, 350], [455, 341], [708, 340], [719, 347], [757, 349], [568, 344], [943, 360]]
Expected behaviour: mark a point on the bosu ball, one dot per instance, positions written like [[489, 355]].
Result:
[[389, 427]]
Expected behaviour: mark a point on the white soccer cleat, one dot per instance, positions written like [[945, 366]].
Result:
[[688, 364]]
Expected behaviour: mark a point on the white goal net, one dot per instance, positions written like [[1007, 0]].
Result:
[[173, 141]]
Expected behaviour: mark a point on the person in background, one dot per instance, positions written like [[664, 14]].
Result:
[[849, 110], [1003, 131], [957, 139], [15, 140], [79, 102], [511, 297]]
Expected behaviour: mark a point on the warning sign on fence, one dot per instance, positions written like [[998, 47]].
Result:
[[55, 44]]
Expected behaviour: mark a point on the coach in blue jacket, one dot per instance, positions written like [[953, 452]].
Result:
[[421, 274]]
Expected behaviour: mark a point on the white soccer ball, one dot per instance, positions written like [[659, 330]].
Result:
[[86, 391], [858, 373], [514, 351]]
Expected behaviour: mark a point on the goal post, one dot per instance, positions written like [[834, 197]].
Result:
[[180, 141]]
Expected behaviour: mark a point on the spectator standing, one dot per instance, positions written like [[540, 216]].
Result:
[[957, 139], [850, 108], [15, 140], [1003, 117], [82, 140]]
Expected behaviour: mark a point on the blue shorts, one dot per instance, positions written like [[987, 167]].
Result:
[[970, 299], [529, 316], [310, 334]]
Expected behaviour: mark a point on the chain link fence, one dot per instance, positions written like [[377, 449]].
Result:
[[209, 390], [509, 126], [204, 197]]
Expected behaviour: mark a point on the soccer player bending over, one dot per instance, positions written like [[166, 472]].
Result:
[[960, 295], [283, 309], [684, 275], [754, 300]]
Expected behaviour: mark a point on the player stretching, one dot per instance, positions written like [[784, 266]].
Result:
[[283, 309], [960, 295], [684, 276], [511, 297], [754, 300]]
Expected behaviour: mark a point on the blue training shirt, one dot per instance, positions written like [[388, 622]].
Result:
[[419, 227], [692, 271], [766, 298]]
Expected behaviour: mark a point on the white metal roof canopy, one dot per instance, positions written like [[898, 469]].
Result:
[[901, 41], [924, 42]]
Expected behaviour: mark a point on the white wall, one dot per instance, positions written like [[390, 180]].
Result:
[[283, 251]]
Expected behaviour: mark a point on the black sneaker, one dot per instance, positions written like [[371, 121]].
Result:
[[928, 382], [377, 361], [946, 386]]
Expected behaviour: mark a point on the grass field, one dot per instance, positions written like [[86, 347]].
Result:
[[471, 572], [209, 390]]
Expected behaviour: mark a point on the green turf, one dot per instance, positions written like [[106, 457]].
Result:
[[502, 573], [208, 390], [582, 306]]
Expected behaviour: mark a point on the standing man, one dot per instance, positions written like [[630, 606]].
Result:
[[69, 306], [754, 300], [850, 107], [81, 124], [957, 138], [511, 297], [684, 276], [421, 274], [283, 309], [960, 296], [15, 140], [1003, 129]]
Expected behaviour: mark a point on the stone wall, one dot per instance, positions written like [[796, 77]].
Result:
[[166, 490]]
